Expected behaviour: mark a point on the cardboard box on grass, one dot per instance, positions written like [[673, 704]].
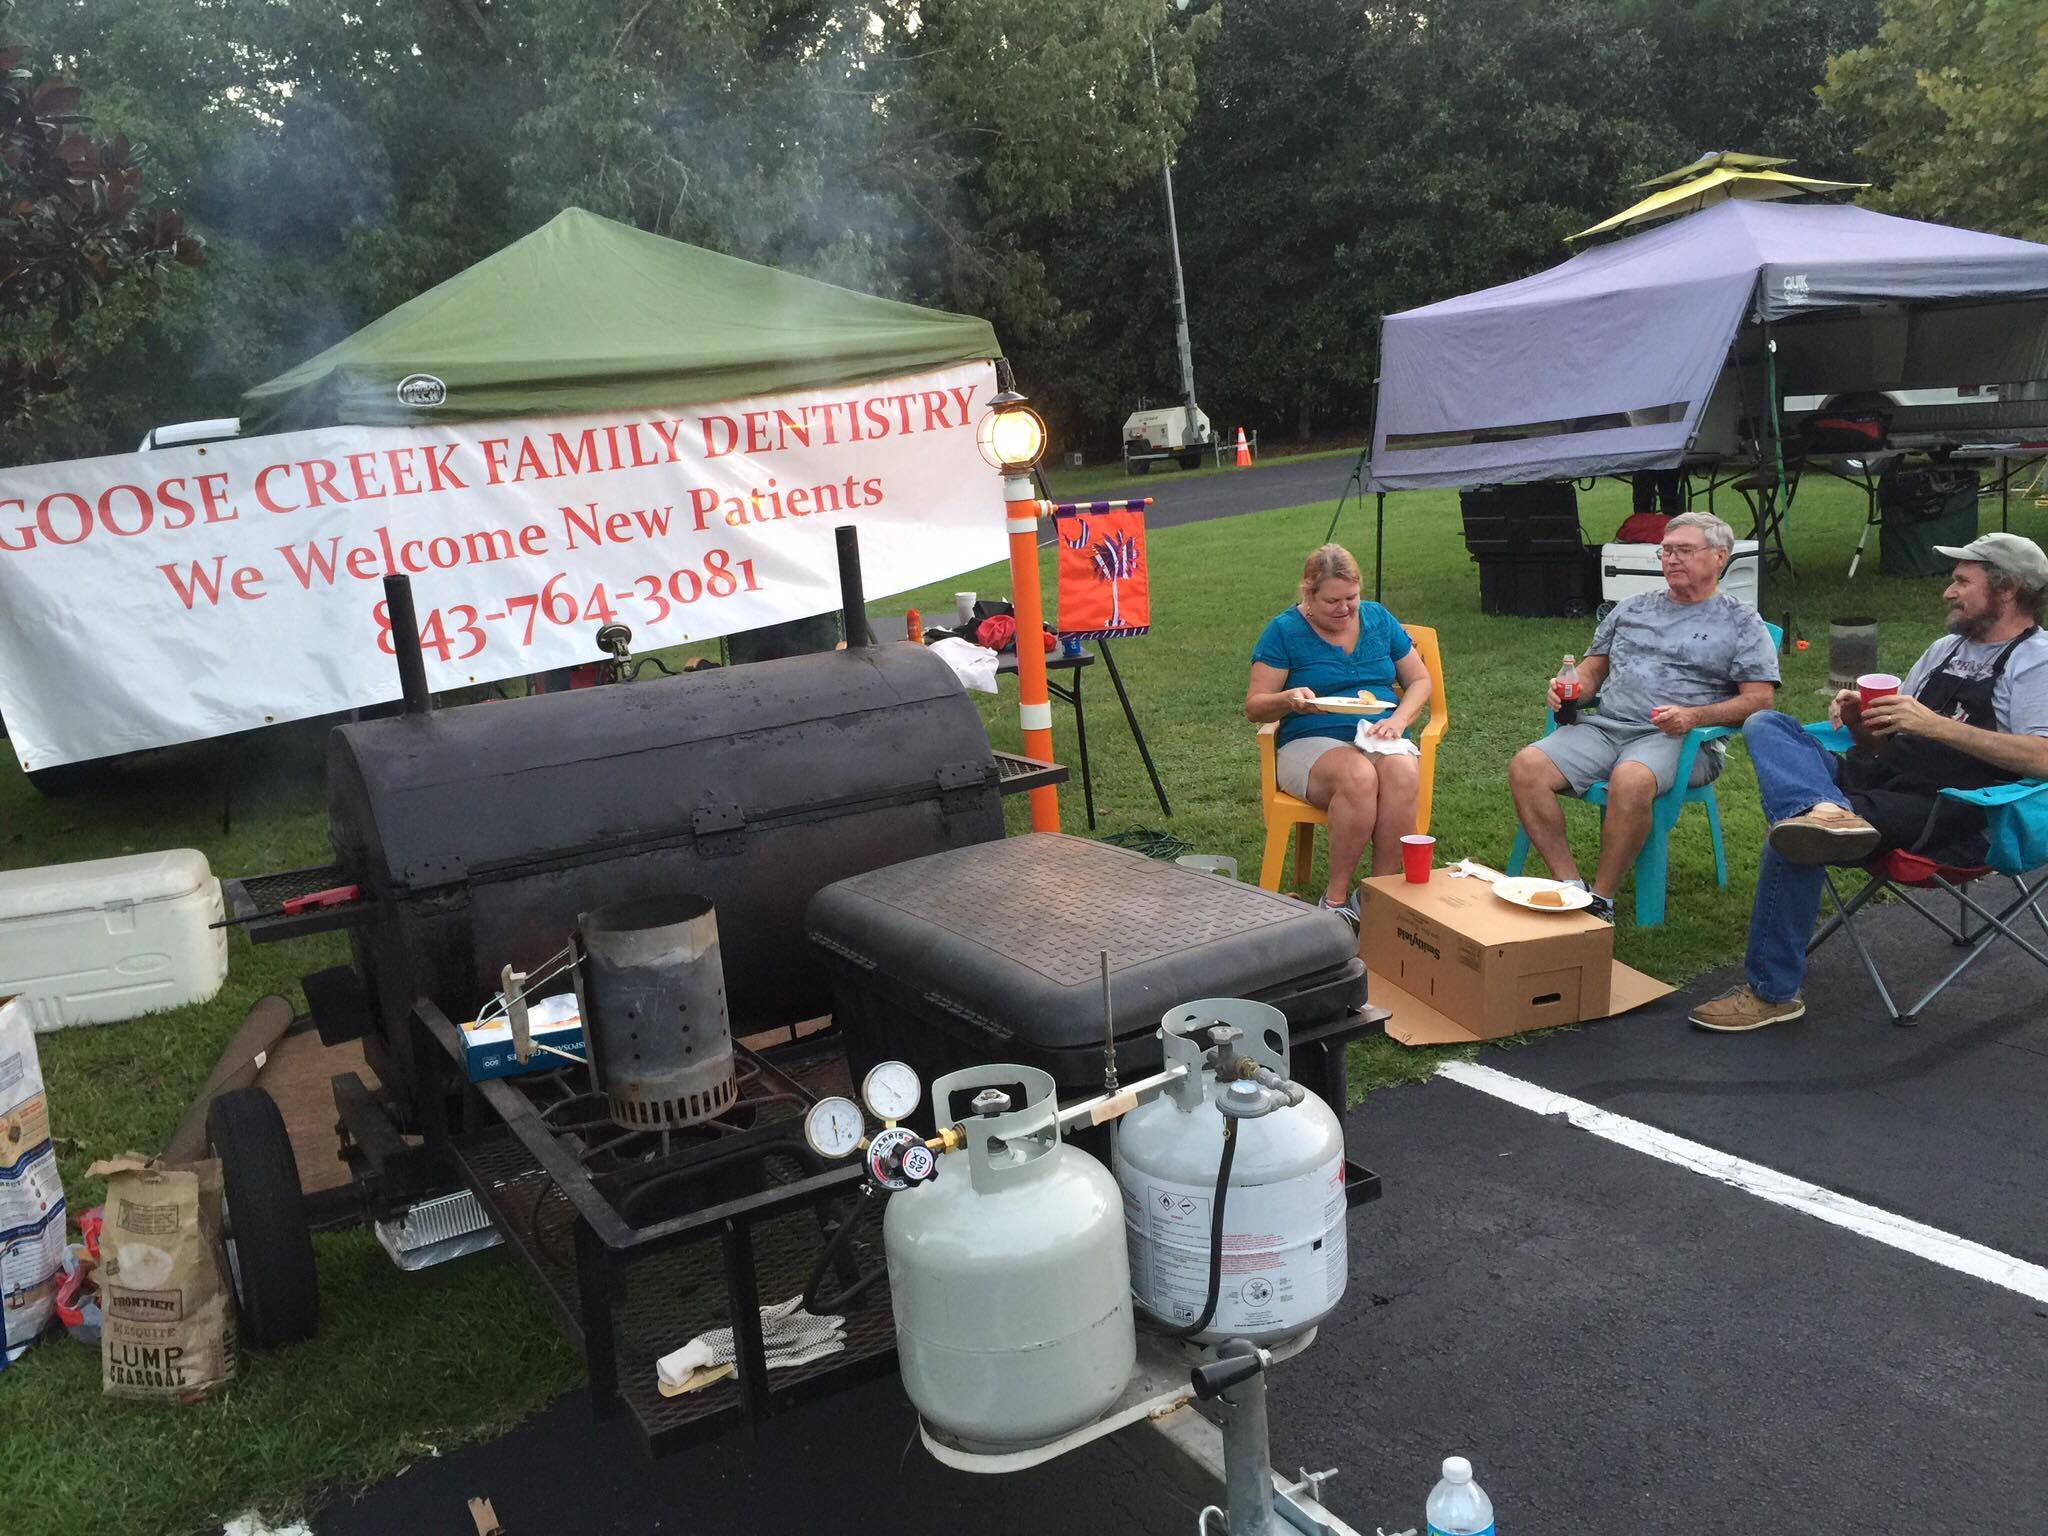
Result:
[[1455, 963]]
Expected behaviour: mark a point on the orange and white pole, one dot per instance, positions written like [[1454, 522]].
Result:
[[1034, 702]]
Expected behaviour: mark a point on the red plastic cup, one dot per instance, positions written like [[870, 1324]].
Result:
[[1876, 685], [1418, 852]]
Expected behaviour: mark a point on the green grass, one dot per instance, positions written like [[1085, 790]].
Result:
[[405, 1362]]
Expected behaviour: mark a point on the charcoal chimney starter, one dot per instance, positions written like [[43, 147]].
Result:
[[653, 1002]]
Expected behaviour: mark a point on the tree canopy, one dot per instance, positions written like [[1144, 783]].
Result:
[[73, 228], [1953, 95], [1334, 159]]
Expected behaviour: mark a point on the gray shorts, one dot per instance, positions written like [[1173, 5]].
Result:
[[1588, 750], [1293, 761]]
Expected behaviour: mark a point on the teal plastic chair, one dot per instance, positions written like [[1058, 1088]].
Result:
[[1653, 864]]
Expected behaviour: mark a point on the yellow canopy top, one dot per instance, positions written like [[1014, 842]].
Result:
[[1727, 176], [1734, 160]]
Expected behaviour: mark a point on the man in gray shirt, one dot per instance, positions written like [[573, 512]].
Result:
[[1663, 663]]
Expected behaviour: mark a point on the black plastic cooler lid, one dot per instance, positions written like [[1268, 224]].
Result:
[[1009, 934]]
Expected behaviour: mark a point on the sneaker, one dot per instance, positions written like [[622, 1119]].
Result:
[[1346, 909], [1826, 834], [1741, 1009], [1602, 907]]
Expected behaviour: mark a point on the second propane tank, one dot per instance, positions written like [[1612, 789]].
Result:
[[1284, 1212], [1008, 1275]]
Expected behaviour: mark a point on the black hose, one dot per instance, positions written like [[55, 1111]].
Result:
[[819, 1306], [1215, 1234]]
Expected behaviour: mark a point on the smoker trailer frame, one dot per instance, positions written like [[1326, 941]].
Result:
[[627, 1291]]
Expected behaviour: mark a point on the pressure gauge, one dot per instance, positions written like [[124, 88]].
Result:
[[891, 1091], [833, 1127]]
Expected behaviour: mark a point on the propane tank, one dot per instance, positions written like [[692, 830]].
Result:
[[1007, 1273], [1284, 1207]]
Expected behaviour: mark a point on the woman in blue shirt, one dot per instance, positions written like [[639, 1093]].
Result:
[[1331, 643]]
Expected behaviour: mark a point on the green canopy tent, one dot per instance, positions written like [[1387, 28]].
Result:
[[589, 315]]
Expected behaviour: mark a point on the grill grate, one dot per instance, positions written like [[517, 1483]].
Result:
[[673, 1294], [266, 893]]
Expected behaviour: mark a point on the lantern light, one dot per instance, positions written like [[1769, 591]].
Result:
[[1011, 436]]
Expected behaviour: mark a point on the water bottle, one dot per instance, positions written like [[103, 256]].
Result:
[[1457, 1505], [1567, 692]]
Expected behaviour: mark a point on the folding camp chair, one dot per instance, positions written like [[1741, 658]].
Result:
[[2017, 831]]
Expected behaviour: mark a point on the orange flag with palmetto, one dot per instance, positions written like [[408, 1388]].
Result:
[[1104, 582]]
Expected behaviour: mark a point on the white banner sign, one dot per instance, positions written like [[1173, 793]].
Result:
[[160, 597]]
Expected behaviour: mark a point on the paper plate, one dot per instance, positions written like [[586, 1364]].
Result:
[[1342, 704], [1518, 890]]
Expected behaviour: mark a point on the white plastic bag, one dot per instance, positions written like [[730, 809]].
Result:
[[975, 665]]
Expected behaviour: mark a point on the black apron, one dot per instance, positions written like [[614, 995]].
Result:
[[1897, 789]]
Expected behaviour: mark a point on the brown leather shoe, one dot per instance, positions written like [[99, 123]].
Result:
[[1734, 1012], [1826, 834]]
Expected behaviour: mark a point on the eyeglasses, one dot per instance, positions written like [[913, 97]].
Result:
[[1680, 551]]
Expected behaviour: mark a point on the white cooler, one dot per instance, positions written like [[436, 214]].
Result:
[[111, 939], [1626, 569]]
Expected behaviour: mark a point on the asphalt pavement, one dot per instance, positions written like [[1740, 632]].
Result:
[[1945, 1122], [1178, 499]]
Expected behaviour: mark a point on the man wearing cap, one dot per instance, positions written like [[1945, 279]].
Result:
[[1972, 712]]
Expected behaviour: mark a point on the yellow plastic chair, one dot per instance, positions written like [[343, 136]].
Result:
[[1288, 816]]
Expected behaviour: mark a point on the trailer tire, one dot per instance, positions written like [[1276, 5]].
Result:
[[1191, 461], [1137, 466], [270, 1245]]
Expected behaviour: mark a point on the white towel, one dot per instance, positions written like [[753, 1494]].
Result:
[[1384, 746]]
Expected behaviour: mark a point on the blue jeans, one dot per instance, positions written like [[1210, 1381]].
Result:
[[1794, 773]]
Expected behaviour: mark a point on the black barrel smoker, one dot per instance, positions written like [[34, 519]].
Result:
[[482, 837], [477, 835]]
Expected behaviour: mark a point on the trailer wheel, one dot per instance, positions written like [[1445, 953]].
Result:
[[270, 1246], [1137, 466], [1191, 461]]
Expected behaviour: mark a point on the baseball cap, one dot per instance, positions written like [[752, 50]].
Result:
[[2007, 552]]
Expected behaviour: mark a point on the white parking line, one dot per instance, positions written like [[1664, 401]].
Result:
[[1937, 1247]]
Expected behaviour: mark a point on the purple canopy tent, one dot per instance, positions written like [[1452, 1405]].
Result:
[[1640, 354]]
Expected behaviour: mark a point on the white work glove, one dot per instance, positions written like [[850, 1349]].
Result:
[[790, 1335]]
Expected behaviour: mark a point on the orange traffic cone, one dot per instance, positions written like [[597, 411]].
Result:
[[1244, 453]]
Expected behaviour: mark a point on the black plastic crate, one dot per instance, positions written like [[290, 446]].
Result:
[[1540, 586], [1540, 518]]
